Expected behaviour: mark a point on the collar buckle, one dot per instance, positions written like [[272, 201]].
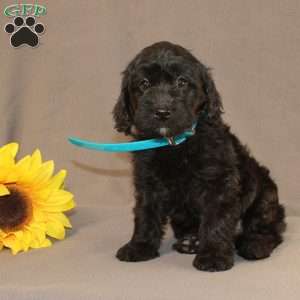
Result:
[[171, 141]]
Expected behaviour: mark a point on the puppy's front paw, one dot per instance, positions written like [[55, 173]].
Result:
[[213, 263], [136, 252]]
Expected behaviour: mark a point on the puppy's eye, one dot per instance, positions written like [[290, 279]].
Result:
[[144, 84], [181, 82]]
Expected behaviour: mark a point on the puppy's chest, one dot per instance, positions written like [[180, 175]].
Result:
[[172, 176], [173, 169], [177, 179], [170, 168]]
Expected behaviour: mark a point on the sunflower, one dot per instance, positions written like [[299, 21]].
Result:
[[32, 201]]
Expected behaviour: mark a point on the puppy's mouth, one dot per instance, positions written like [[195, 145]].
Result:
[[169, 133], [150, 129], [164, 131]]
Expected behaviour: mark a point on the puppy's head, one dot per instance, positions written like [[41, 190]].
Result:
[[165, 89]]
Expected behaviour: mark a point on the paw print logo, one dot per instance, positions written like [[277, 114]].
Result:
[[24, 31]]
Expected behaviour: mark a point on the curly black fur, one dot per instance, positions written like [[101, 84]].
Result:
[[203, 186]]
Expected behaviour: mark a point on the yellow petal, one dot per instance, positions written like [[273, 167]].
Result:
[[7, 155], [8, 174], [37, 231], [60, 200], [38, 235], [60, 197], [55, 230], [46, 243], [13, 243], [4, 190], [6, 159], [35, 243], [28, 167], [11, 147], [59, 207], [41, 195], [38, 215], [57, 181], [44, 173], [26, 240], [22, 167], [61, 218], [3, 173], [36, 161]]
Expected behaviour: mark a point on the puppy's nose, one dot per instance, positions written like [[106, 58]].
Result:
[[162, 114]]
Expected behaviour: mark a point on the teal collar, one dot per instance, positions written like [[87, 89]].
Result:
[[136, 145]]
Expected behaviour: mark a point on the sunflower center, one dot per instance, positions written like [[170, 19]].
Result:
[[15, 209]]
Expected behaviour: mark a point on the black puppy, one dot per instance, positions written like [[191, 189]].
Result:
[[205, 185]]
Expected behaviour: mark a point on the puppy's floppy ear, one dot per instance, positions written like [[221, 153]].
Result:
[[122, 112], [214, 104]]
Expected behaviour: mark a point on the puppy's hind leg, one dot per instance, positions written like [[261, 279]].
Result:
[[263, 223]]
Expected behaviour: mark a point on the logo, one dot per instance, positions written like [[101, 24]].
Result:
[[24, 29]]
